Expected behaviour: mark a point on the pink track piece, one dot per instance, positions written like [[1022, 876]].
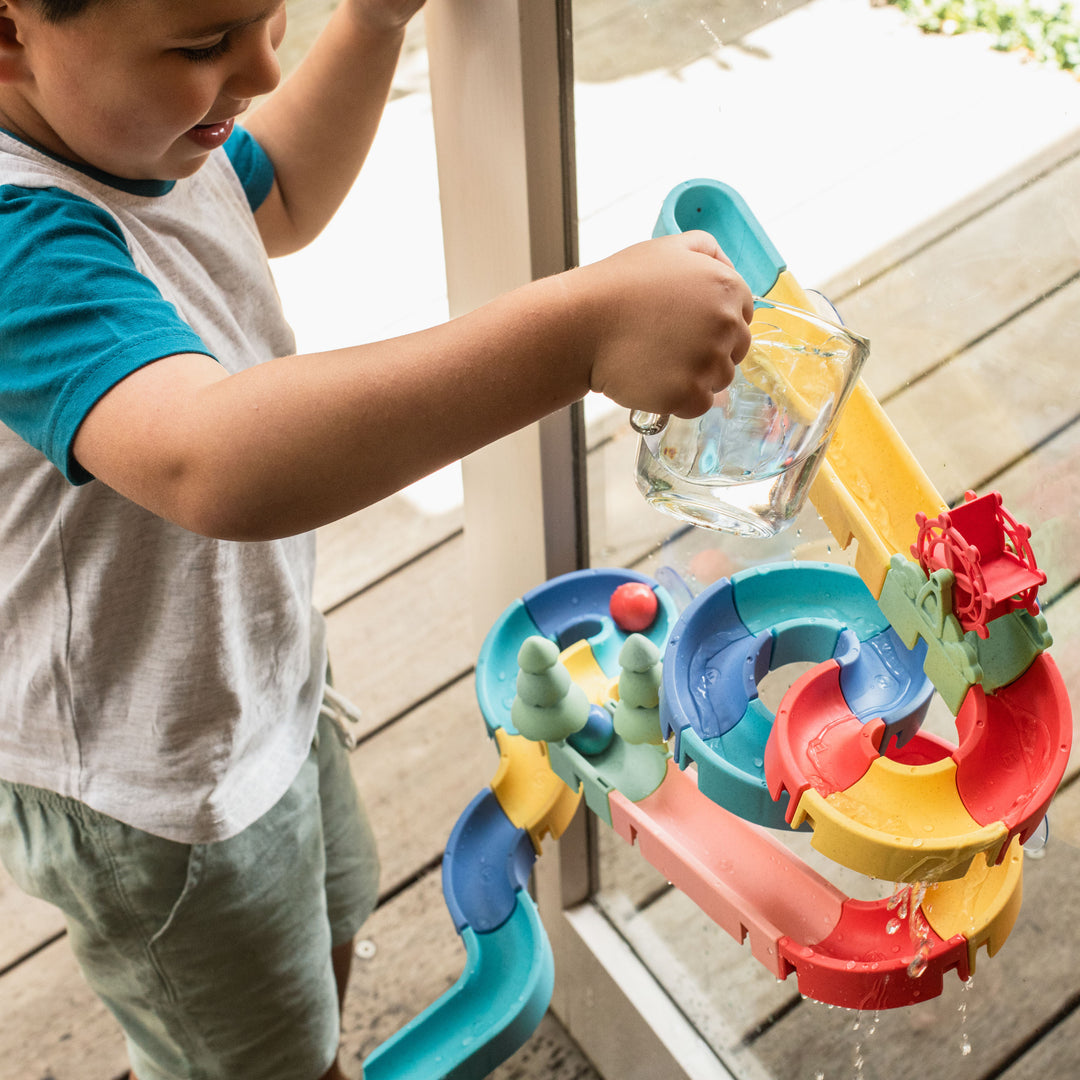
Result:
[[816, 741], [1014, 746], [752, 886], [741, 877]]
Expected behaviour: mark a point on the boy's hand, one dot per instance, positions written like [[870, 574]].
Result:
[[383, 15], [666, 321]]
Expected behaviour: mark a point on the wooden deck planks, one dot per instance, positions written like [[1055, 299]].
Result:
[[1056, 1054], [405, 638], [995, 402], [418, 776], [970, 279], [25, 922], [373, 543]]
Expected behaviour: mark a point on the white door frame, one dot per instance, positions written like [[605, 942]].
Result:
[[502, 98]]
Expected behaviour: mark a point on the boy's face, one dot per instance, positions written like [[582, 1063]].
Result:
[[143, 89]]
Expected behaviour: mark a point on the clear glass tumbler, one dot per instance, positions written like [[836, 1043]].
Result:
[[746, 465]]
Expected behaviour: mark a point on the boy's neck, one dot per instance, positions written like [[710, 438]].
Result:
[[132, 187]]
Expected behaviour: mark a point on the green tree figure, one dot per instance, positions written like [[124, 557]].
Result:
[[637, 712], [549, 705]]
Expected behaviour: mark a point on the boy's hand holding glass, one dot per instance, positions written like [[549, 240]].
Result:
[[666, 321]]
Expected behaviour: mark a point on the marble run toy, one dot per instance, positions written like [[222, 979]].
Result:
[[594, 686]]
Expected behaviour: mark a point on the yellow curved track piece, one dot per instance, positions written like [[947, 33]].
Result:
[[529, 792], [900, 823], [599, 687], [982, 906], [870, 487]]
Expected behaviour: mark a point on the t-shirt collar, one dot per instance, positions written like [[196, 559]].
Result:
[[148, 188]]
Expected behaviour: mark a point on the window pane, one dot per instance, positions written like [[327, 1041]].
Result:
[[925, 184]]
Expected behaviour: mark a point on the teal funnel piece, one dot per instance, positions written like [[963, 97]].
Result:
[[486, 1015], [720, 210]]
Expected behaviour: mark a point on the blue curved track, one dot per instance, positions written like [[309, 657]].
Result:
[[509, 973], [738, 630]]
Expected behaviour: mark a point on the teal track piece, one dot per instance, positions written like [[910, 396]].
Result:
[[805, 638], [766, 596], [725, 641], [497, 666], [731, 768], [486, 1015], [721, 211]]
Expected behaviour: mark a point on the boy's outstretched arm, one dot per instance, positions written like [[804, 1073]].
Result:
[[296, 442], [318, 126]]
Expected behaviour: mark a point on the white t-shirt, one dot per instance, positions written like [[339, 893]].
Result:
[[166, 679]]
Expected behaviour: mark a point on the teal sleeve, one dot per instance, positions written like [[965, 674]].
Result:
[[76, 317], [253, 167]]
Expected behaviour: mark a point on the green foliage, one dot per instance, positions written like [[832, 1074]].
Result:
[[1049, 30]]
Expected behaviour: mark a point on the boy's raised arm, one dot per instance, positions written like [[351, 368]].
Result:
[[293, 443], [318, 126]]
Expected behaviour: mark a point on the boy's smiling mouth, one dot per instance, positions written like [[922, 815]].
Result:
[[211, 136]]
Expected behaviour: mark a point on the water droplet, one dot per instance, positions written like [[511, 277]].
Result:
[[1035, 845], [920, 961]]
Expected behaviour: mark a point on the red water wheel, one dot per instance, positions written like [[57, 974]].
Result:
[[989, 554], [941, 546]]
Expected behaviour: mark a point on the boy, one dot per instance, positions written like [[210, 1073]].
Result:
[[163, 458]]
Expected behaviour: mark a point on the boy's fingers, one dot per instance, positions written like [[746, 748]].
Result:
[[742, 346], [701, 403], [706, 243]]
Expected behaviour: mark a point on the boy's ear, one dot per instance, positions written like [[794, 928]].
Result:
[[13, 66]]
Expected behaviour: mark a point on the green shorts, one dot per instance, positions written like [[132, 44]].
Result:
[[214, 958]]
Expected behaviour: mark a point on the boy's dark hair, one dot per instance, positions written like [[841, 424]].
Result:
[[55, 11]]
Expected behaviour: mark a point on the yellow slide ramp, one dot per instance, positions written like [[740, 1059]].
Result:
[[869, 487]]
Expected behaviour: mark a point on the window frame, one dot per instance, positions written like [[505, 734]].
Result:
[[502, 102]]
